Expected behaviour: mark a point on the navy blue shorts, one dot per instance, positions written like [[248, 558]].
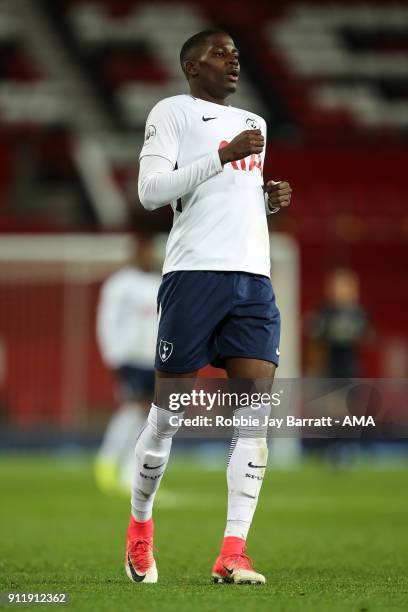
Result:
[[206, 317]]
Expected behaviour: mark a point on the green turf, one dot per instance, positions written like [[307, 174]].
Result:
[[325, 540]]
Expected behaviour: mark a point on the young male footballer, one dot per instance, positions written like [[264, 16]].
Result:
[[216, 303]]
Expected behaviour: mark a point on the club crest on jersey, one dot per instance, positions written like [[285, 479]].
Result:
[[251, 123], [165, 349], [150, 133]]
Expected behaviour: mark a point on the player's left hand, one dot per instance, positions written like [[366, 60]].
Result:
[[279, 193]]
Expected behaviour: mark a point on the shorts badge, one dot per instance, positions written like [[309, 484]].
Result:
[[165, 349]]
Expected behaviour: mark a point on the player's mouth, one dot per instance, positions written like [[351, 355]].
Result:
[[233, 75]]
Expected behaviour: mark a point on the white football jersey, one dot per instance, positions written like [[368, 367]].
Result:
[[221, 224], [127, 318]]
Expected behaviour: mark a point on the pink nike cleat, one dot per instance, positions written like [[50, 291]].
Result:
[[140, 565], [234, 566]]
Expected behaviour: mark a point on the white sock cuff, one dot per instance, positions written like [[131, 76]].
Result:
[[253, 421], [163, 422]]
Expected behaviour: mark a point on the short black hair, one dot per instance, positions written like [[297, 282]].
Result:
[[195, 41]]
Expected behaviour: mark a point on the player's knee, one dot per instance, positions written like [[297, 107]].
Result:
[[164, 422]]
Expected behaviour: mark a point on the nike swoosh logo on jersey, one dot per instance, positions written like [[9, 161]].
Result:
[[250, 464], [227, 569], [136, 577], [152, 467], [209, 118]]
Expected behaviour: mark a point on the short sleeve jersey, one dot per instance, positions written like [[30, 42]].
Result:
[[221, 224]]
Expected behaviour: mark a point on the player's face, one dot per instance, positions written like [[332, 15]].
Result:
[[218, 66]]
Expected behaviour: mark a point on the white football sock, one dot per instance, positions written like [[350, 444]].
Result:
[[245, 473], [151, 456]]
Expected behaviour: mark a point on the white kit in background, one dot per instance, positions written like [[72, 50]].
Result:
[[126, 332]]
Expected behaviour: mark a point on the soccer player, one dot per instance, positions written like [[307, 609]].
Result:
[[216, 303], [340, 328], [126, 329]]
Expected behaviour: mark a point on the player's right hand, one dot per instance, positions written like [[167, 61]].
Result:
[[246, 143]]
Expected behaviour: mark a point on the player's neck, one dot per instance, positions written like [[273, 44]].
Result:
[[196, 92]]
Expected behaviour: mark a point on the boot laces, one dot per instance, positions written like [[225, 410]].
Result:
[[239, 561], [141, 554]]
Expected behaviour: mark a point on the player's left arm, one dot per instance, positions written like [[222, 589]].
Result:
[[277, 195]]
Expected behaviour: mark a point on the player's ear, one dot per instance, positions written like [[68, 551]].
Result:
[[190, 68]]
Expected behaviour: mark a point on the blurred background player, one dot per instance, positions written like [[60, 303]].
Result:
[[337, 333], [339, 329], [126, 332]]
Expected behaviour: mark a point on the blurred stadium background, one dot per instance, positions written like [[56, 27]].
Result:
[[78, 78]]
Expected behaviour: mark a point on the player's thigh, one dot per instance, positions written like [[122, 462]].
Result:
[[252, 330], [191, 306]]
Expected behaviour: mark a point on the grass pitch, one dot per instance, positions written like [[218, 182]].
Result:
[[325, 540]]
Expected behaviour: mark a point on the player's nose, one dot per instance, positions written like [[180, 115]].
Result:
[[233, 61]]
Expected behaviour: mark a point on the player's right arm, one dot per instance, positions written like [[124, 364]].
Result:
[[160, 181], [246, 143]]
